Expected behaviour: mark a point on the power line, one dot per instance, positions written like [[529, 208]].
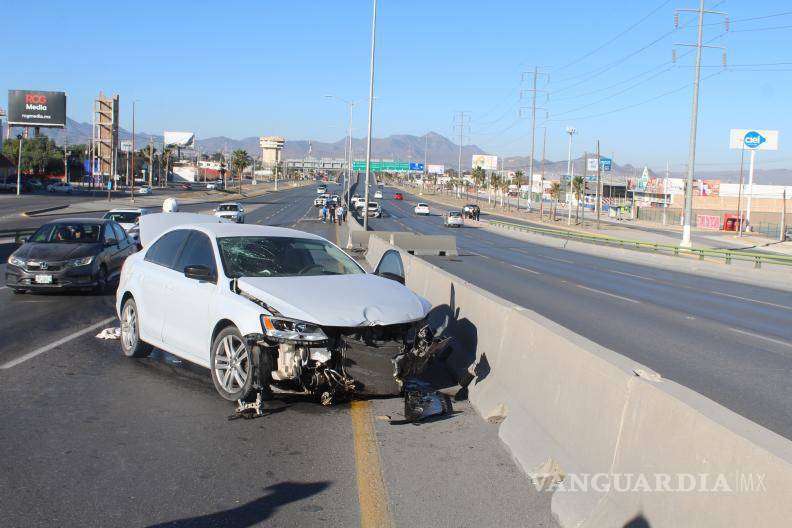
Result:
[[761, 29]]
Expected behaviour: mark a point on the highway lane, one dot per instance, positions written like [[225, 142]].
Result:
[[730, 341], [95, 439]]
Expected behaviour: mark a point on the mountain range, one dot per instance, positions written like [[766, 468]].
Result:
[[402, 147]]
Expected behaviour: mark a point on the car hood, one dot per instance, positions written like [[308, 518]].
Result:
[[56, 251], [338, 300], [226, 213]]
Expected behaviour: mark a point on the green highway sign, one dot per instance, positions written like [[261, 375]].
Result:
[[382, 166]]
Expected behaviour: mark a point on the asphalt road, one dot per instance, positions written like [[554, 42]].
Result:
[[729, 341], [91, 438]]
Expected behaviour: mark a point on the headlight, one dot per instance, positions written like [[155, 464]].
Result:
[[14, 261], [291, 329], [80, 262]]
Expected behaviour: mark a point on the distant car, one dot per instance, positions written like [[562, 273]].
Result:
[[60, 187], [35, 185], [378, 194], [185, 187], [454, 219], [374, 209], [128, 219], [211, 186], [398, 196], [232, 211], [471, 210], [146, 189], [319, 202], [321, 189], [72, 253], [335, 199], [422, 209]]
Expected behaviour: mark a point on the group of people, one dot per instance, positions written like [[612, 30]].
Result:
[[335, 213]]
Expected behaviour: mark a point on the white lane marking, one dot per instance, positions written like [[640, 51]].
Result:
[[759, 336], [608, 294], [478, 254], [3, 287], [784, 307], [526, 269], [557, 259], [54, 344], [633, 275]]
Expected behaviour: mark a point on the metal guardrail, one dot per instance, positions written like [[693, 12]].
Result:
[[726, 254], [18, 235]]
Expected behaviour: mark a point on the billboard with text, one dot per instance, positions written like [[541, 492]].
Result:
[[36, 108], [485, 162]]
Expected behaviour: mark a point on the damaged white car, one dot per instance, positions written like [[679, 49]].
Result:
[[266, 306]]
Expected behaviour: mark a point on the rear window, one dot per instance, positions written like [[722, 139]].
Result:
[[228, 207], [122, 217]]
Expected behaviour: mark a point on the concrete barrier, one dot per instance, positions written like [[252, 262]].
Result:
[[615, 434], [443, 245]]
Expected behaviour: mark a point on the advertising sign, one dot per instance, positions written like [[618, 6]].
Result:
[[179, 139], [710, 187], [126, 146], [750, 139], [436, 169], [36, 108], [485, 162], [417, 167], [708, 221]]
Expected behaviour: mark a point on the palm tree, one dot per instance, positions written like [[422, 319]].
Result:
[[240, 159], [478, 176], [555, 192], [578, 188]]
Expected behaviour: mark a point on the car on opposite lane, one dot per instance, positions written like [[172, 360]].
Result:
[[255, 320], [374, 209], [378, 194], [127, 218], [398, 196], [60, 187], [230, 210], [146, 189], [422, 209], [454, 219], [73, 253]]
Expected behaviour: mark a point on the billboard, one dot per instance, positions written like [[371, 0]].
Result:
[[750, 139], [436, 169], [179, 139], [485, 162], [36, 108], [710, 187]]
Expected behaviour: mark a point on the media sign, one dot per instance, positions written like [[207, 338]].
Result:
[[36, 108], [751, 139], [485, 162]]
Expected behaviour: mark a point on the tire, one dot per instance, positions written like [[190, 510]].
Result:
[[231, 365], [18, 291], [131, 345], [101, 280]]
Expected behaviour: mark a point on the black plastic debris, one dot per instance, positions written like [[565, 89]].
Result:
[[421, 401]]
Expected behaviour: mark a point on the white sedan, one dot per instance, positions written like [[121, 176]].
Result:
[[231, 211], [241, 301], [60, 187], [422, 209]]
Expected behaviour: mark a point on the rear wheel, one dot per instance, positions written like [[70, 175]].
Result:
[[101, 280], [231, 365], [131, 344], [18, 291]]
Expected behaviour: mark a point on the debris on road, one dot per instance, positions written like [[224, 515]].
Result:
[[110, 333]]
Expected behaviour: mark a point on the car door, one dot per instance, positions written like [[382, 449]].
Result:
[[112, 249], [188, 328], [156, 274], [125, 246]]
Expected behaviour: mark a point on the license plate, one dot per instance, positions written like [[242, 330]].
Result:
[[43, 279]]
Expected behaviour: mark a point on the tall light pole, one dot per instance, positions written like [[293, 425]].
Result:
[[370, 112], [571, 131], [19, 165], [350, 105], [132, 182]]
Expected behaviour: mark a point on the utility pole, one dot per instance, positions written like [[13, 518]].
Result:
[[782, 230], [132, 191], [461, 124], [570, 169], [533, 90], [151, 162], [19, 166], [694, 114], [585, 177], [370, 112], [541, 181], [599, 181], [665, 192], [740, 193]]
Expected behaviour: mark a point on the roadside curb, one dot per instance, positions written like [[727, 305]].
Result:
[[44, 210]]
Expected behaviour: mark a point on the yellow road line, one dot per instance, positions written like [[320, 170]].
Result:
[[372, 495]]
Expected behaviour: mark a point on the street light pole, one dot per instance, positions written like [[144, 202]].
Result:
[[370, 112], [570, 131], [19, 166], [132, 182]]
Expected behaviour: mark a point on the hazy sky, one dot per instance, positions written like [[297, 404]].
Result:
[[244, 68]]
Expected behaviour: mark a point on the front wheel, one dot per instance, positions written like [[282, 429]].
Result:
[[231, 365], [131, 344]]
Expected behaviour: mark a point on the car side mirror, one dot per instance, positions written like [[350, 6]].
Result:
[[198, 272], [111, 242], [391, 276]]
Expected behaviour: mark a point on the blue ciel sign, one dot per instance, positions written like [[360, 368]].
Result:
[[416, 166], [753, 139]]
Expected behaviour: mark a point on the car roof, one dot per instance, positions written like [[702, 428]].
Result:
[[79, 220], [220, 230], [229, 203], [126, 210]]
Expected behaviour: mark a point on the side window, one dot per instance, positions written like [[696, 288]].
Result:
[[165, 250], [120, 234], [391, 262], [108, 233], [197, 252]]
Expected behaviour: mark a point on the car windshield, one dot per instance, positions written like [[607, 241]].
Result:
[[228, 207], [257, 256], [422, 205], [455, 214], [68, 232], [122, 217], [373, 205]]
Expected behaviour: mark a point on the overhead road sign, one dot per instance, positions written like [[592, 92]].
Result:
[[605, 164], [418, 167], [383, 166], [753, 139]]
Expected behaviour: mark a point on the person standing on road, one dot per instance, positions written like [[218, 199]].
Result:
[[339, 213], [331, 213], [324, 213], [478, 213]]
